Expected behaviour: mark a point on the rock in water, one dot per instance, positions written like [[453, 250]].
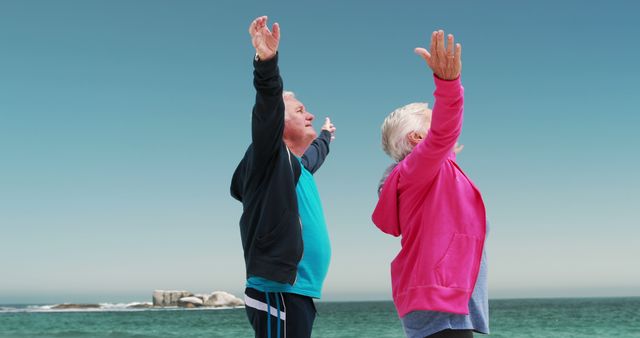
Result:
[[190, 302], [169, 298], [221, 298], [177, 298]]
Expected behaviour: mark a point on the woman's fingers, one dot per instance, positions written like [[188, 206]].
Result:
[[424, 54]]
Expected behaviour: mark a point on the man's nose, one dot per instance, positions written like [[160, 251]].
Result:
[[310, 116]]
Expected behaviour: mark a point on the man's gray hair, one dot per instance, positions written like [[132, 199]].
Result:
[[400, 123], [288, 93]]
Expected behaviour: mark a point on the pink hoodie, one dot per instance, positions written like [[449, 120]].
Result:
[[439, 213]]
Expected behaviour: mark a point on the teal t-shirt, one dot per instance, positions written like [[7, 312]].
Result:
[[314, 265]]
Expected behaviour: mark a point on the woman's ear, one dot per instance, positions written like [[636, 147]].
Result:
[[414, 138]]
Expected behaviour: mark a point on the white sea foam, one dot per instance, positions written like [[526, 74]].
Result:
[[103, 307], [120, 306]]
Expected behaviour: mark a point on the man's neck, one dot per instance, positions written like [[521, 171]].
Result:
[[297, 149]]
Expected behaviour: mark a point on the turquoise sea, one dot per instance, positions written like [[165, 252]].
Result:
[[583, 317]]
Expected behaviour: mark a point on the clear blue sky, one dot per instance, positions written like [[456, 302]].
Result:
[[121, 123]]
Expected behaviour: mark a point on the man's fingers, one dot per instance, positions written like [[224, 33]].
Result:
[[450, 45], [261, 23], [252, 26], [276, 31], [328, 126], [256, 24]]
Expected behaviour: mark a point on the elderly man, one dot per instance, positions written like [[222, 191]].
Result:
[[282, 213]]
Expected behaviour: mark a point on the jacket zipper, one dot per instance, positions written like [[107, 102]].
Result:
[[299, 219]]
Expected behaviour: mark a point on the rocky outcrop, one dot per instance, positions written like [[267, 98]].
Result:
[[169, 298], [189, 300], [221, 298]]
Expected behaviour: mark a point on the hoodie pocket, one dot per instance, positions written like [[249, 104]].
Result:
[[455, 269]]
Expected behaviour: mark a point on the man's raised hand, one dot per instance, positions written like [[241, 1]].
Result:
[[265, 41], [328, 126]]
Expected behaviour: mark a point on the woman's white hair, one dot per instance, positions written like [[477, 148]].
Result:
[[401, 122]]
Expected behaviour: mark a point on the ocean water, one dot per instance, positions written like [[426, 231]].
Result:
[[585, 317]]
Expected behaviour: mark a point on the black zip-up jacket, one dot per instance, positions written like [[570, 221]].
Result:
[[265, 182]]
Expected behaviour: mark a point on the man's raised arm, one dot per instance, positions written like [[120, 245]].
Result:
[[267, 121], [318, 150]]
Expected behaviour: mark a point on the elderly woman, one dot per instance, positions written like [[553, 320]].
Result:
[[439, 275]]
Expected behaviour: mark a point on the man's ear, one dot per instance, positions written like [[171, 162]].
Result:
[[414, 138]]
